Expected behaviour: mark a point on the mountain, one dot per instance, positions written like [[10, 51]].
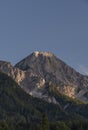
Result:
[[45, 69], [42, 73], [42, 84]]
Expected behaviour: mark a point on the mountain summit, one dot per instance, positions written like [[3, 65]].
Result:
[[34, 57], [47, 54], [42, 74]]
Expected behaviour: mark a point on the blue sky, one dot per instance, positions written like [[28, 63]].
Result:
[[58, 26]]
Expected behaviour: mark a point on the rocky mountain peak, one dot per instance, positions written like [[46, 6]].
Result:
[[46, 54], [40, 71], [52, 70]]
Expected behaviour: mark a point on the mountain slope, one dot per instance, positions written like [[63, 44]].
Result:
[[18, 106], [45, 67]]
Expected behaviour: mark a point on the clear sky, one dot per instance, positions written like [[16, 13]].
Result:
[[58, 26]]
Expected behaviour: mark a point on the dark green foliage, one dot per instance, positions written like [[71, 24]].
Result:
[[76, 125], [19, 111], [45, 123], [4, 125], [59, 126], [15, 104], [18, 106]]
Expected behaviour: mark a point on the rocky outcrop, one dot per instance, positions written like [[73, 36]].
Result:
[[17, 74], [26, 79]]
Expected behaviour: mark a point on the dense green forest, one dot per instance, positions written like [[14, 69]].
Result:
[[19, 111], [45, 125]]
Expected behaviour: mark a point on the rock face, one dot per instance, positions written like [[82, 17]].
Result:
[[28, 80], [41, 68], [17, 74]]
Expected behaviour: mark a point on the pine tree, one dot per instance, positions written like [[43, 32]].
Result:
[[4, 125], [45, 123]]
